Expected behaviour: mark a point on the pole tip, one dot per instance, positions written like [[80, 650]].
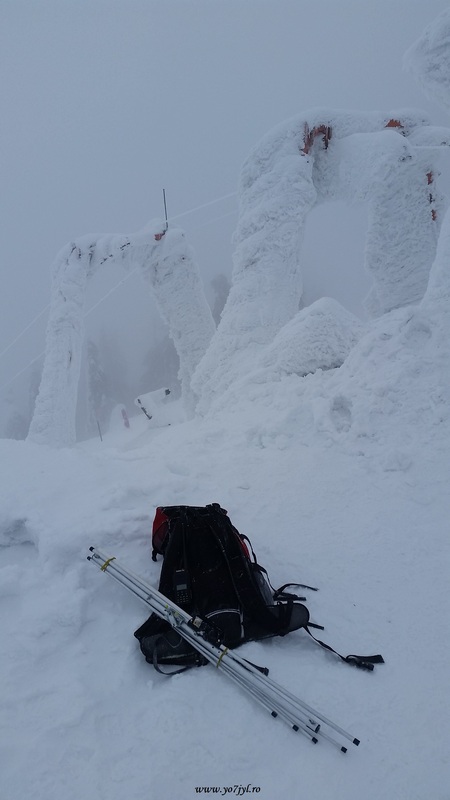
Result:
[[356, 741]]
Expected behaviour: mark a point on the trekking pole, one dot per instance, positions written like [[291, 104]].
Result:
[[254, 679]]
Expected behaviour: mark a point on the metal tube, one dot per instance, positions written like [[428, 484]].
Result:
[[267, 692]]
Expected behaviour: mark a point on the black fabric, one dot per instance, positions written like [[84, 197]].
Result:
[[228, 589], [363, 662]]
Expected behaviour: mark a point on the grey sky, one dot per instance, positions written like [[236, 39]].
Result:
[[104, 103]]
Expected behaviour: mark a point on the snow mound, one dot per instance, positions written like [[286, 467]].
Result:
[[318, 337]]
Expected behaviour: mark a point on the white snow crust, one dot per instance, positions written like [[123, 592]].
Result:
[[365, 161], [340, 479], [319, 337], [169, 269], [172, 272], [428, 59]]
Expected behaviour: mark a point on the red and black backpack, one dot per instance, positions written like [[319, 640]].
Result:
[[210, 570]]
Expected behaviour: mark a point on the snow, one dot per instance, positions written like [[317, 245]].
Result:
[[319, 337], [340, 478], [428, 59], [168, 267], [368, 158], [330, 447], [172, 272]]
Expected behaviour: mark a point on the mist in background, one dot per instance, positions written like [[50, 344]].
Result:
[[105, 104]]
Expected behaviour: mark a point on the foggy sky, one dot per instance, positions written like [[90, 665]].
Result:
[[106, 102]]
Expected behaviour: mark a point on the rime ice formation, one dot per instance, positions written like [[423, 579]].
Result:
[[53, 420], [168, 267], [428, 59], [386, 160], [174, 277], [318, 337]]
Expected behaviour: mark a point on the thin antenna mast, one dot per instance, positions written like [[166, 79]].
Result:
[[165, 208], [159, 236]]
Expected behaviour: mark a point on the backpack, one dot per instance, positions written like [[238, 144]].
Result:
[[210, 570]]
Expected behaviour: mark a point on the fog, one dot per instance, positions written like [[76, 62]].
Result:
[[107, 103]]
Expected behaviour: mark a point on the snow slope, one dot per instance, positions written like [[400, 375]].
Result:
[[341, 480]]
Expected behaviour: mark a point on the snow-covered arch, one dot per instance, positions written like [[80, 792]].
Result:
[[168, 266], [386, 160]]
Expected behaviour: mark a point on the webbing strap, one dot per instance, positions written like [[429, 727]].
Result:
[[300, 585], [363, 662], [158, 668]]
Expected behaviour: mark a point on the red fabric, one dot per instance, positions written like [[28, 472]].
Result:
[[159, 530], [244, 546]]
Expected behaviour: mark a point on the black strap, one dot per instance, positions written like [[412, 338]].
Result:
[[279, 594], [300, 585], [263, 670], [173, 671], [363, 662], [247, 593]]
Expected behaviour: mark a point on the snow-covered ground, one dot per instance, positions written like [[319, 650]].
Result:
[[341, 481]]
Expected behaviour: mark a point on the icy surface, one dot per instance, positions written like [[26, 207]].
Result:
[[368, 158], [428, 59], [172, 272], [341, 480], [169, 269]]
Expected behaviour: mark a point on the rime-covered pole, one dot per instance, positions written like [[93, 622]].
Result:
[[170, 269], [384, 159], [53, 422]]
